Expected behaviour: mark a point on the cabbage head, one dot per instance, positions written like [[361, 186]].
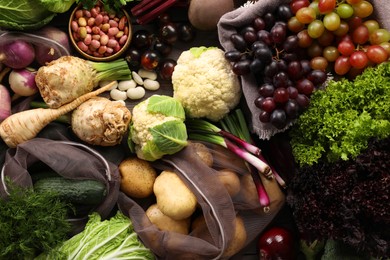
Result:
[[157, 128]]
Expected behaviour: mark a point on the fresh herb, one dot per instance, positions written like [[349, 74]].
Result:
[[31, 222], [114, 5], [346, 201], [343, 117]]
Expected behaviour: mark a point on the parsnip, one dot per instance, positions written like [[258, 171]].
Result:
[[100, 121], [25, 125]]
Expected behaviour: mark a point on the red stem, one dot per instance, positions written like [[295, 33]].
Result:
[[140, 5], [156, 12], [147, 7]]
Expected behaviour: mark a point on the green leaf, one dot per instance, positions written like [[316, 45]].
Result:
[[197, 51], [170, 136], [166, 105]]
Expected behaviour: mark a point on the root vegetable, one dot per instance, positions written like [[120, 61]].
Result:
[[173, 196], [25, 125], [164, 222], [5, 97], [230, 180], [22, 82], [100, 121], [17, 54], [137, 177], [239, 238], [203, 152], [68, 77]]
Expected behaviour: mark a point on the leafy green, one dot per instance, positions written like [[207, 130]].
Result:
[[197, 51], [114, 5], [31, 223], [166, 105], [343, 117], [57, 6], [24, 14], [109, 239]]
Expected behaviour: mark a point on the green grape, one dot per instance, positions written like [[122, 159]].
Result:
[[316, 29], [379, 36], [331, 21], [344, 11]]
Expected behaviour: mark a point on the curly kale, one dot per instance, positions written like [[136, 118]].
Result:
[[343, 117], [347, 200]]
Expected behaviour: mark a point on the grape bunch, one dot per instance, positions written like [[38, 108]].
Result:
[[339, 36], [270, 51], [150, 49]]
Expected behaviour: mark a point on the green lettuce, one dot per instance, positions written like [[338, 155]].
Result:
[[342, 118], [23, 14], [114, 238]]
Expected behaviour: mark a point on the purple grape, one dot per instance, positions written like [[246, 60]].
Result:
[[278, 118]]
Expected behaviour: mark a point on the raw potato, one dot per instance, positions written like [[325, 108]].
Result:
[[203, 152], [230, 180], [205, 14], [163, 222], [248, 191], [173, 196], [137, 177], [100, 121], [239, 238]]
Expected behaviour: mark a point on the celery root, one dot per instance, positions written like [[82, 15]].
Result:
[[25, 125], [68, 77], [100, 121]]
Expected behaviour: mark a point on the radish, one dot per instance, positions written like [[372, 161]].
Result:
[[25, 125], [100, 121], [5, 97], [17, 54], [22, 82], [68, 77]]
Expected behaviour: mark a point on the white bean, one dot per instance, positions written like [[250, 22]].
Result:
[[151, 84], [116, 94], [135, 93], [126, 84], [147, 74], [102, 83], [137, 78]]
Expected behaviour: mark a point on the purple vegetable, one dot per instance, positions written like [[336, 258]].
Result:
[[17, 54], [47, 52], [5, 103], [22, 82]]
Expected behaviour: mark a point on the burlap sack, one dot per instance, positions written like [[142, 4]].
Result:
[[229, 24]]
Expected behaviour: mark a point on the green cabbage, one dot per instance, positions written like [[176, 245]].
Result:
[[57, 6], [157, 128], [23, 14], [114, 238]]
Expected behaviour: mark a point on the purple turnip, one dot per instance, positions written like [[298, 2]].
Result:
[[22, 82], [17, 54]]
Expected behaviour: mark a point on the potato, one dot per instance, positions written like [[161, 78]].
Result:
[[163, 222], [203, 152], [205, 14], [248, 192], [239, 238], [137, 177], [230, 180], [173, 196]]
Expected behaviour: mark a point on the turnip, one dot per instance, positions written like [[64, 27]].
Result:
[[100, 121], [25, 125], [68, 77], [17, 54], [22, 82], [5, 98], [57, 45]]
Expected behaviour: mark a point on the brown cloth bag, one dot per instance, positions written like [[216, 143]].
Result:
[[229, 24], [218, 208], [67, 158]]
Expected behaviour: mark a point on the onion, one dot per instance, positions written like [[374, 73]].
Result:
[[49, 51], [22, 82], [17, 54]]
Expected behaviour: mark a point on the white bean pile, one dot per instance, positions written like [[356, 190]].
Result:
[[136, 87]]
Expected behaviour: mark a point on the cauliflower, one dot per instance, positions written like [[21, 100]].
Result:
[[205, 84], [157, 128]]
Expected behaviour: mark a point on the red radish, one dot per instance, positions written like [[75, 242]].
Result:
[[17, 54], [277, 243], [22, 82], [45, 53]]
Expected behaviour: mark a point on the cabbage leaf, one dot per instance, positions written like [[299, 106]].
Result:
[[23, 14]]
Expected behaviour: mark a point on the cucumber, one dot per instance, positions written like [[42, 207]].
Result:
[[86, 192], [43, 174]]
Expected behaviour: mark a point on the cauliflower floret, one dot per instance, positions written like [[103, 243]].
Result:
[[205, 85]]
